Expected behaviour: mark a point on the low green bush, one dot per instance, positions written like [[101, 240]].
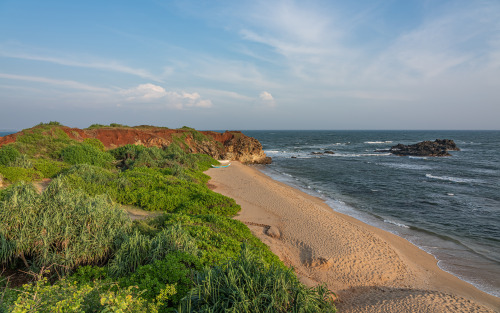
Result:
[[218, 237], [86, 154], [69, 296], [49, 168], [8, 154], [95, 143], [246, 284], [176, 269], [17, 174]]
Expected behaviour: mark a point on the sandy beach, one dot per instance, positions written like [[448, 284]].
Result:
[[369, 269]]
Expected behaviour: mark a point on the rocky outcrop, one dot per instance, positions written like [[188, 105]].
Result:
[[230, 145], [439, 147]]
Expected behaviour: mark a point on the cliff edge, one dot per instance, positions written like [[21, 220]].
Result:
[[230, 145]]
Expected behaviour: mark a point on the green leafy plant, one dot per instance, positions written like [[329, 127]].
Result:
[[8, 154], [246, 284], [86, 154]]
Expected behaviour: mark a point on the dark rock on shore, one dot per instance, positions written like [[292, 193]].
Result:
[[439, 147]]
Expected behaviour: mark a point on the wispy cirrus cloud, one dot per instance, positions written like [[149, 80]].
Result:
[[57, 82], [82, 62]]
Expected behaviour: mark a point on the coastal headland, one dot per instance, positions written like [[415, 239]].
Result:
[[369, 269]]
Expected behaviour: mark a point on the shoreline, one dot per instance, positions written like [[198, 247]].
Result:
[[425, 243], [368, 268]]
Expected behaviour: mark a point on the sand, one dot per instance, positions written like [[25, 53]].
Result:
[[370, 270]]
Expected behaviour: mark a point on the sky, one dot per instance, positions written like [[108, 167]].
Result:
[[367, 64]]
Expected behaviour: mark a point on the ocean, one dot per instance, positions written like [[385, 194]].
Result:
[[447, 206]]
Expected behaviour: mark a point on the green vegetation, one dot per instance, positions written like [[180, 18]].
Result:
[[246, 284], [61, 228], [86, 154], [112, 125], [86, 255]]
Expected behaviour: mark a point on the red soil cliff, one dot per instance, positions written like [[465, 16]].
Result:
[[230, 145]]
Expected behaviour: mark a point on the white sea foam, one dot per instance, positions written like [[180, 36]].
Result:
[[406, 166], [396, 223], [453, 179], [377, 142]]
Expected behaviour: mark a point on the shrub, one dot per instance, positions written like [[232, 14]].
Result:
[[61, 227], [248, 285], [218, 238], [96, 143], [176, 270], [8, 154], [69, 296], [86, 154], [17, 174], [48, 168]]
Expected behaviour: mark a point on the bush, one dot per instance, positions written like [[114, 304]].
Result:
[[17, 174], [96, 143], [176, 270], [86, 154], [61, 227], [248, 285], [48, 168], [8, 154], [69, 296], [218, 238]]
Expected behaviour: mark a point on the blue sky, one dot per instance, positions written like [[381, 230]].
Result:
[[251, 64]]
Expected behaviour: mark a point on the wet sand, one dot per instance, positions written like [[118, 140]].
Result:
[[369, 269]]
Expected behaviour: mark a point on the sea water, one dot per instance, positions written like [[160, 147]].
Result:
[[447, 206]]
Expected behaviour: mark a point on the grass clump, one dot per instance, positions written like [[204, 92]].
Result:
[[61, 228], [138, 249], [246, 284]]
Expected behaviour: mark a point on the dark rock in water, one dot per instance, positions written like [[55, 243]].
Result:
[[329, 152], [317, 153], [439, 147], [293, 157]]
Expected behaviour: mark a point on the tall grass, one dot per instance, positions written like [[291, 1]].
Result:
[[247, 285], [138, 249], [61, 228]]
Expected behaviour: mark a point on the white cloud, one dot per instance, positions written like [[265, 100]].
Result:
[[144, 92], [267, 98], [157, 96]]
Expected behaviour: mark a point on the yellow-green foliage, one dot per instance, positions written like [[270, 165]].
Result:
[[43, 140], [68, 296], [152, 189], [16, 174], [61, 227]]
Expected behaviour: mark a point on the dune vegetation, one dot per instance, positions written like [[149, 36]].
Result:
[[71, 246]]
